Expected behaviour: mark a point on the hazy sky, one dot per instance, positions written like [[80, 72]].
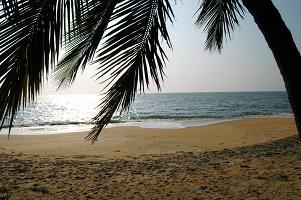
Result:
[[245, 64]]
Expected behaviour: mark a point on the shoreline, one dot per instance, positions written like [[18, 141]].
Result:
[[123, 142], [54, 129]]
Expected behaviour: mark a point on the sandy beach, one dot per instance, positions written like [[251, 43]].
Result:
[[242, 159]]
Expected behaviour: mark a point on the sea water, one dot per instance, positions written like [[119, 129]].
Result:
[[68, 113]]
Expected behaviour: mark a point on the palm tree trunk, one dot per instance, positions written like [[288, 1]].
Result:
[[280, 41]]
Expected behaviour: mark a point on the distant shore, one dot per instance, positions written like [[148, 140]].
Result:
[[245, 159]]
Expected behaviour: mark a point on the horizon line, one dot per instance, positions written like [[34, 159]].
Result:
[[171, 92]]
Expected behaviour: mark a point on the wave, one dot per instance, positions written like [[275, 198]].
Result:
[[64, 123], [178, 117], [48, 124], [125, 119], [187, 117]]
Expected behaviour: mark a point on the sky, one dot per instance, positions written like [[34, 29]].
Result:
[[245, 64]]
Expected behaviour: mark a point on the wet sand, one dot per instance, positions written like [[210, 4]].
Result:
[[245, 159]]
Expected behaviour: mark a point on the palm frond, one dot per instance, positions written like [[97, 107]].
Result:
[[219, 18], [31, 32], [132, 55], [81, 49]]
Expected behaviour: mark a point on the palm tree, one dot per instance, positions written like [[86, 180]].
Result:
[[219, 17], [123, 38]]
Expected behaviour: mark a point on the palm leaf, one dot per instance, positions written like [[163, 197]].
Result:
[[88, 33], [219, 18], [31, 33], [131, 55]]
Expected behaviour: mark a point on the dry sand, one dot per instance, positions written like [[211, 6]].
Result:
[[244, 159]]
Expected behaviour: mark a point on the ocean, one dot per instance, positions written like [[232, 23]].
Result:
[[52, 114]]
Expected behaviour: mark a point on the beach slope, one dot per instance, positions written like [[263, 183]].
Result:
[[244, 159]]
